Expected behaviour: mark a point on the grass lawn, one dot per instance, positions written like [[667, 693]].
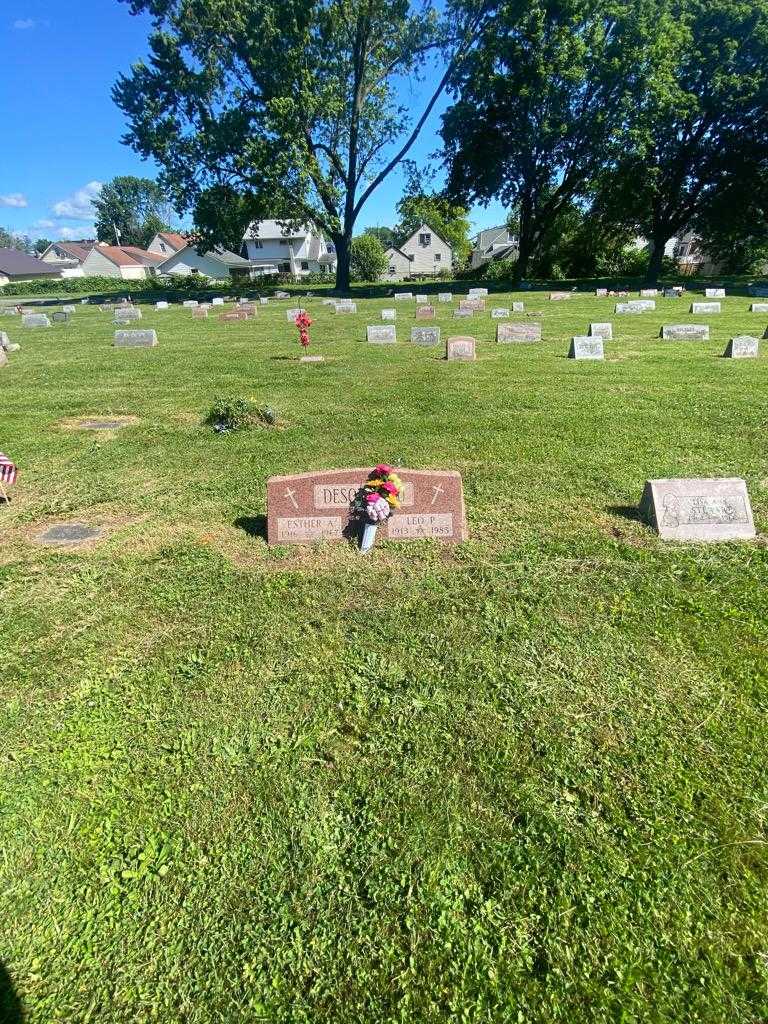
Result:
[[523, 780]]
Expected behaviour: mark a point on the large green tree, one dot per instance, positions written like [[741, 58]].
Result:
[[699, 138], [368, 261], [130, 211], [541, 103], [289, 109]]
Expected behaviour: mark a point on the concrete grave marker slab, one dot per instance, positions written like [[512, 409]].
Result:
[[458, 313], [61, 317], [507, 334], [126, 314], [698, 510], [135, 339], [389, 314], [234, 314], [35, 320], [445, 296], [190, 303], [742, 347], [64, 534], [604, 331], [317, 506], [200, 313], [705, 307], [425, 313], [649, 293], [403, 296], [601, 293], [162, 305], [381, 335], [685, 332], [217, 301], [714, 293], [312, 359], [499, 313], [759, 307], [346, 307], [426, 336], [290, 314], [584, 347], [460, 349], [559, 296], [99, 424], [479, 292], [422, 300], [518, 307], [635, 306]]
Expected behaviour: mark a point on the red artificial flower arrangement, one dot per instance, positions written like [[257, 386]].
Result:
[[304, 322]]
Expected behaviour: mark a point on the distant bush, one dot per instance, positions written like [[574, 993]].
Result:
[[500, 270], [228, 414]]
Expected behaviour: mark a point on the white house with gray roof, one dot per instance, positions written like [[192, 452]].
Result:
[[218, 264], [493, 244], [429, 254], [279, 249]]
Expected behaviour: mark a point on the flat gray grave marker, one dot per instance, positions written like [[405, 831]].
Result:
[[191, 303], [604, 331], [162, 305], [35, 320], [422, 300], [714, 293], [346, 307], [635, 306], [507, 334], [477, 293], [583, 347], [135, 339], [499, 313], [759, 307], [742, 347], [518, 307], [698, 510], [458, 313], [379, 335], [426, 336], [649, 293], [445, 296], [69, 533], [97, 424], [461, 349], [126, 314], [705, 307], [389, 314], [217, 301], [61, 317], [685, 332], [291, 314], [403, 296]]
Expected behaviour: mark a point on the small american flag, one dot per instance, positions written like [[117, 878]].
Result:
[[8, 471]]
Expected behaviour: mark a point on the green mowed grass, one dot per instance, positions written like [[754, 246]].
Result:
[[522, 780]]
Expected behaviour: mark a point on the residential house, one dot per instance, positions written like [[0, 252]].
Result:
[[167, 243], [276, 249], [493, 244], [429, 254], [126, 262], [398, 265], [218, 264], [18, 266], [69, 256]]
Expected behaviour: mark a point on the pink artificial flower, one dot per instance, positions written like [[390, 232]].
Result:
[[389, 488], [370, 498], [383, 470]]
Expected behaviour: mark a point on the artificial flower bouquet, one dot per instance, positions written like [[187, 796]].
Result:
[[304, 322], [377, 499]]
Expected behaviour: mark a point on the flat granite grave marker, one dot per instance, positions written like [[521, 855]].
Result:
[[389, 314], [604, 331], [480, 292], [35, 320], [458, 313], [584, 347], [135, 339], [601, 293], [61, 317], [499, 313], [559, 296], [200, 313], [714, 293], [700, 510], [345, 307], [509, 333], [425, 313], [95, 424], [759, 307], [233, 314], [69, 533], [126, 314], [403, 296], [217, 301], [649, 293], [309, 507], [379, 335], [460, 349], [518, 307], [705, 307], [422, 300], [445, 296], [290, 314], [425, 336], [162, 305], [635, 306], [685, 332], [191, 303], [743, 346]]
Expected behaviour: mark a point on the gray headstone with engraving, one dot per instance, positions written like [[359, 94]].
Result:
[[445, 296], [291, 314], [518, 307], [477, 292], [583, 347], [685, 332], [35, 320], [705, 307], [500, 313], [507, 334], [191, 303], [389, 314], [604, 331], [135, 339], [714, 293], [742, 347], [162, 305], [425, 336], [759, 307], [126, 314], [698, 510], [649, 293], [381, 335], [61, 317], [403, 296], [636, 306], [422, 300]]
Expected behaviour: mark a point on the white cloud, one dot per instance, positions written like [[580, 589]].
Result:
[[83, 231], [44, 224], [14, 199], [24, 23], [79, 206]]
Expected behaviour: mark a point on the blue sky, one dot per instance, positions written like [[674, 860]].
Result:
[[61, 131]]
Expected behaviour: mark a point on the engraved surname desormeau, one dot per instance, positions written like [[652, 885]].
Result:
[[341, 495]]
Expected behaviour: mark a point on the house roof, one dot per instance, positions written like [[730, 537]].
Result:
[[76, 250], [488, 236], [174, 239], [14, 263], [394, 248], [147, 259], [219, 254], [117, 255], [271, 229], [426, 227]]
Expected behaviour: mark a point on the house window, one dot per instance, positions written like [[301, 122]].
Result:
[[284, 268], [330, 248], [285, 241], [438, 257], [425, 239], [304, 265], [392, 269], [257, 243], [162, 247]]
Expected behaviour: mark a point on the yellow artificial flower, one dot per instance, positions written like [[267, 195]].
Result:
[[394, 503]]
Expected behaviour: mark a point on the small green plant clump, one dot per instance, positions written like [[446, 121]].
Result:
[[228, 414]]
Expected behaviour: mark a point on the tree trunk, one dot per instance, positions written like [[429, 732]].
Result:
[[343, 253], [524, 242], [653, 272]]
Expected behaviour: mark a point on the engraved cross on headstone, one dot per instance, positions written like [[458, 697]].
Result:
[[291, 496], [438, 489]]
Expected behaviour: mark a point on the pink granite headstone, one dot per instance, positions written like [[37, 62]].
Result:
[[309, 507], [460, 349]]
